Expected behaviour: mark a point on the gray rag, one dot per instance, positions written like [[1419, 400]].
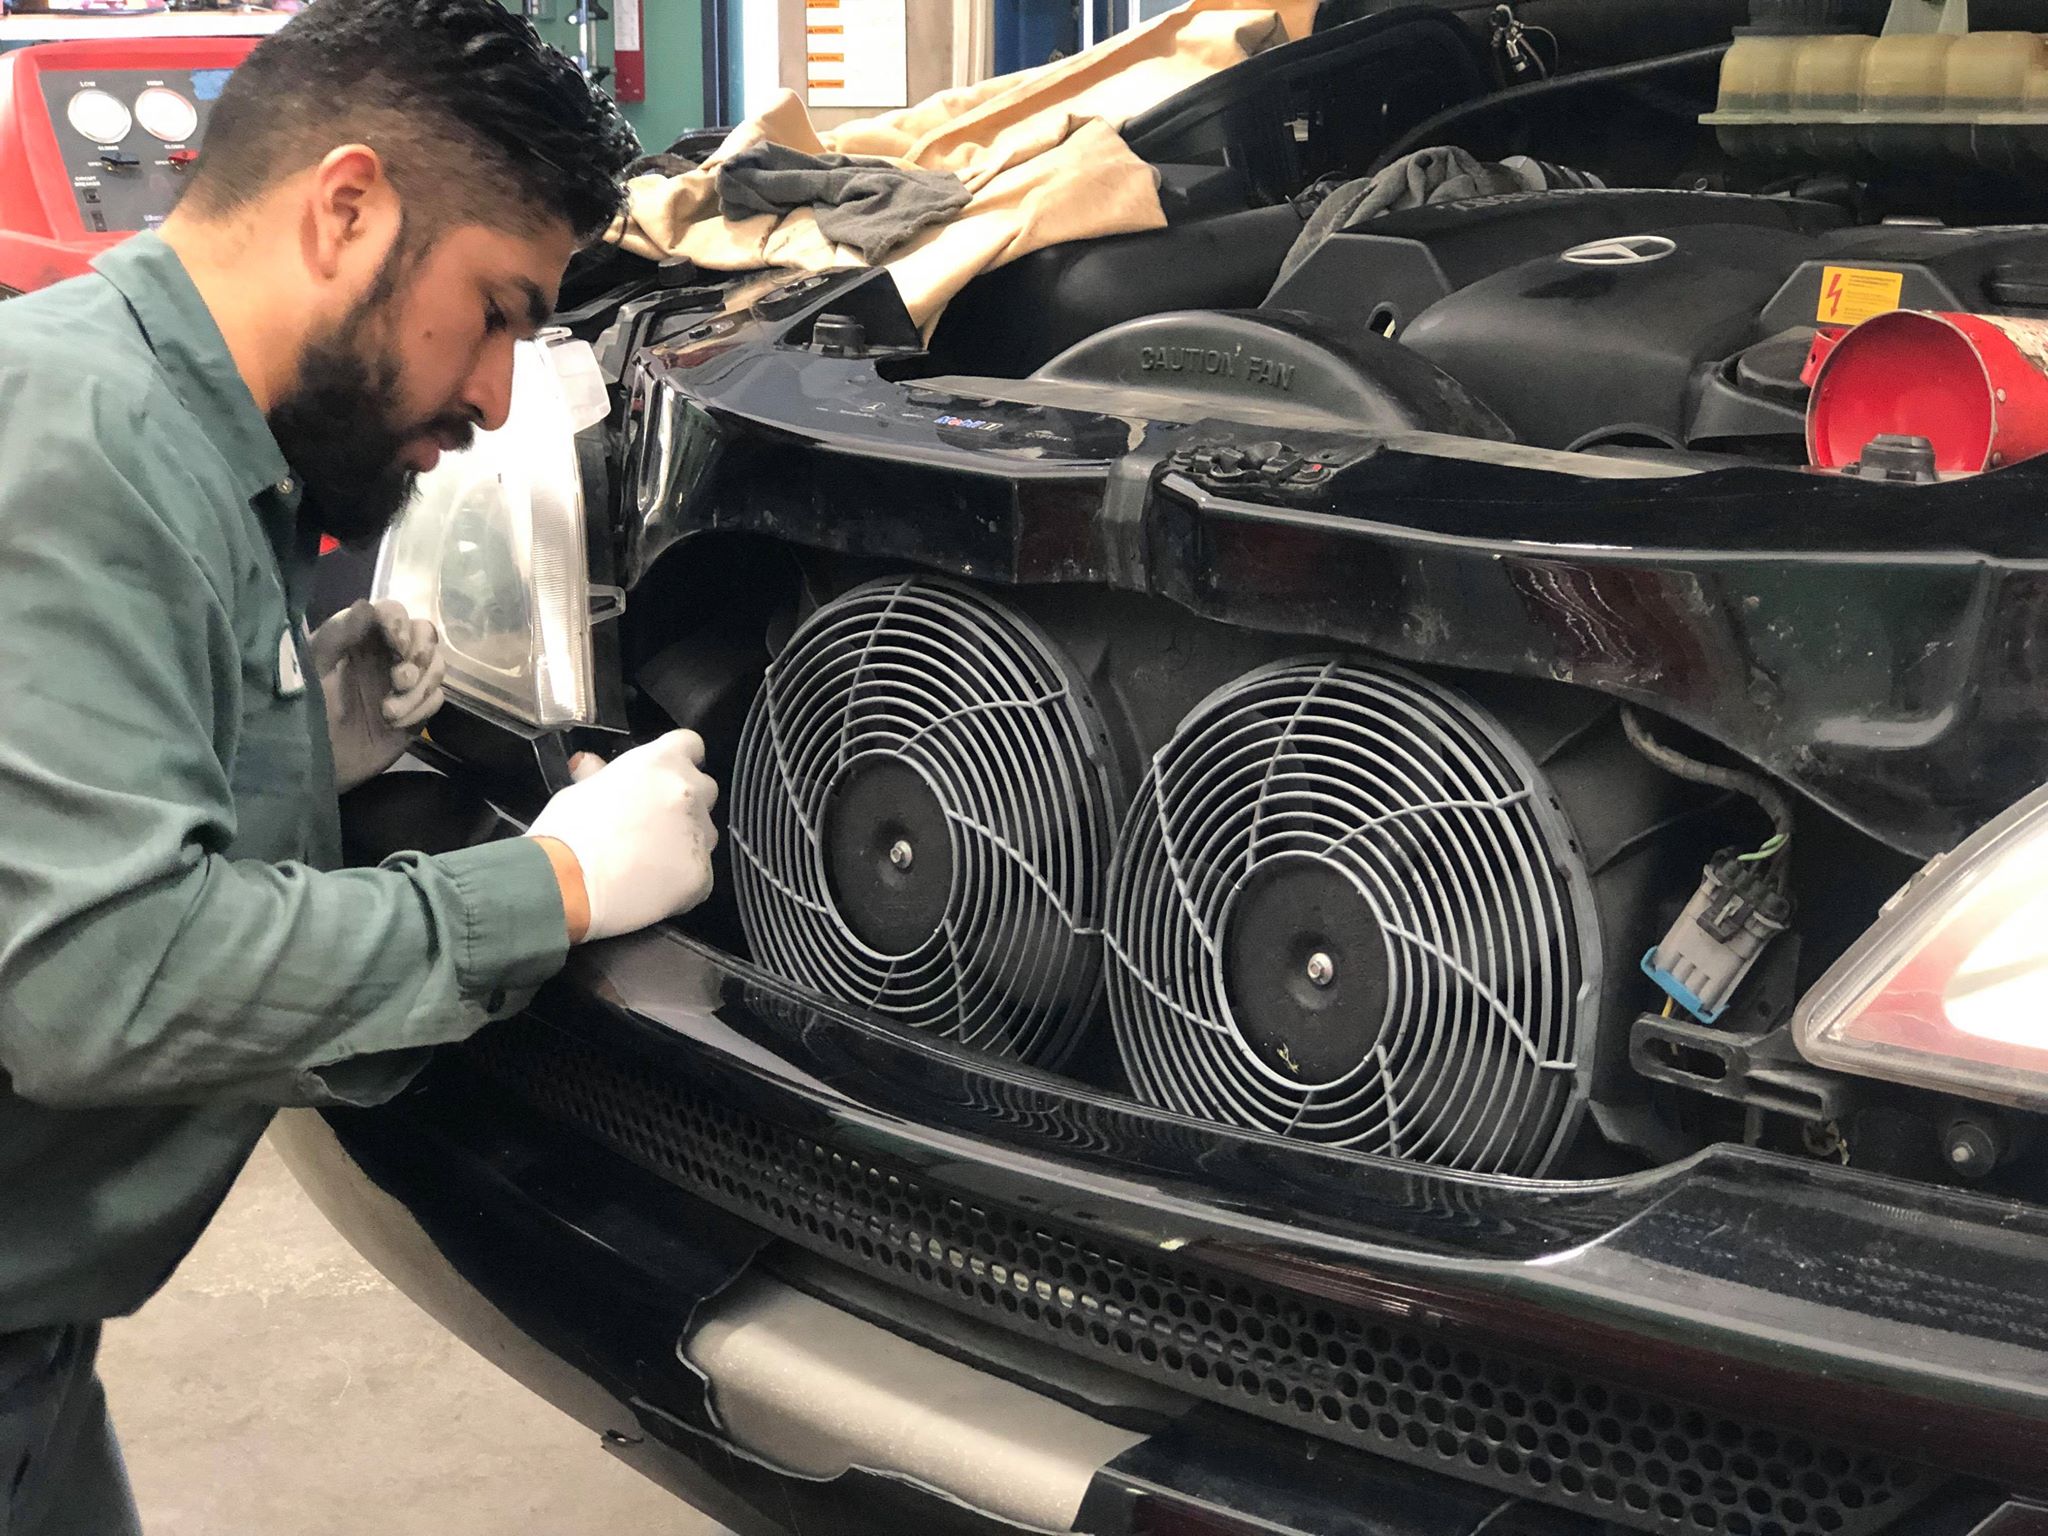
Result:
[[868, 204], [1443, 175]]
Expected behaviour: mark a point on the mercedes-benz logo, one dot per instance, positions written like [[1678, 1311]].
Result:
[[1622, 251]]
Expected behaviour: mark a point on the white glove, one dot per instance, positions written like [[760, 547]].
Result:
[[640, 826], [381, 672]]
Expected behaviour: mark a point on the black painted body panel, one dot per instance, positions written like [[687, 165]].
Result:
[[1877, 646]]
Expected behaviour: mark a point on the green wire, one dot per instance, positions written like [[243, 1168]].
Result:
[[1775, 845]]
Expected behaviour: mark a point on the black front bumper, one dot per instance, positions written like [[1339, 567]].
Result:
[[1740, 1343], [543, 1252]]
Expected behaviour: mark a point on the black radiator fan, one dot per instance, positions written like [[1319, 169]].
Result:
[[922, 819], [1346, 907]]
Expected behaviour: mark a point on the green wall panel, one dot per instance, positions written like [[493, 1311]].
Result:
[[670, 31], [675, 71]]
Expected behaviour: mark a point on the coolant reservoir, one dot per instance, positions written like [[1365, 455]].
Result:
[[1869, 103]]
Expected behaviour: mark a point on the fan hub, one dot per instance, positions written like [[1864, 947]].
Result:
[[888, 857], [1306, 971]]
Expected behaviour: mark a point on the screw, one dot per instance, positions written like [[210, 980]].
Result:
[[1973, 1148], [903, 855], [1322, 970]]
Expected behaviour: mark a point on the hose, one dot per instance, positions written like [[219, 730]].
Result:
[[1750, 785], [1431, 130]]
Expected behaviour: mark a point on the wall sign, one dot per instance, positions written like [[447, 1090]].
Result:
[[857, 53]]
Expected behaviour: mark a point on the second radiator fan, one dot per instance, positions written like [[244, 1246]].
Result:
[[1346, 908], [922, 819]]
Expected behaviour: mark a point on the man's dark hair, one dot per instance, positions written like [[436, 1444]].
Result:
[[476, 119]]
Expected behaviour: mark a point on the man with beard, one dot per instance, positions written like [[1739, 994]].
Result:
[[389, 195]]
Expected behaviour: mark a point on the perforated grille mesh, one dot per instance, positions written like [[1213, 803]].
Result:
[[1640, 1460]]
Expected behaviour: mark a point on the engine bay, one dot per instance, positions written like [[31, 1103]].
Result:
[[1391, 682]]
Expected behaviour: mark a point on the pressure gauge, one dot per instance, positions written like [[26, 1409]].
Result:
[[95, 115], [167, 114]]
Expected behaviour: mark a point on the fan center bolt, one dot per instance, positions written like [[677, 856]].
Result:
[[1322, 970], [903, 855]]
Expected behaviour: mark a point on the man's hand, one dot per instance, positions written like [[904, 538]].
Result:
[[381, 672], [639, 830]]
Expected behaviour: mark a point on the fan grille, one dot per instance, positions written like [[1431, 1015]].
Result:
[[921, 819], [1346, 908]]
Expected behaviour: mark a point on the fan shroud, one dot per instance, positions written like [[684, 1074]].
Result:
[[923, 816], [1346, 907]]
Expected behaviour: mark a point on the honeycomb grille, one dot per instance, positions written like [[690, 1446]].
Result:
[[1637, 1459]]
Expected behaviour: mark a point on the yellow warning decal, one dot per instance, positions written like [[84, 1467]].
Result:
[[1850, 295]]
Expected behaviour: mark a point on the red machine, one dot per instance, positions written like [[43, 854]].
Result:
[[96, 137]]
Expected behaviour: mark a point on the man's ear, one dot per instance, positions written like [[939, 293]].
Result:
[[352, 214]]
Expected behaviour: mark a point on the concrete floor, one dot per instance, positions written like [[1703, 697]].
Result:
[[279, 1384]]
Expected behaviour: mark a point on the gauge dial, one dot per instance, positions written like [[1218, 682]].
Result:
[[167, 114], [95, 115]]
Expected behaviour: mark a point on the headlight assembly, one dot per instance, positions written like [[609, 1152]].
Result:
[[493, 548], [1949, 988]]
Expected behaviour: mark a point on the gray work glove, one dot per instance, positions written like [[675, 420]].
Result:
[[380, 670]]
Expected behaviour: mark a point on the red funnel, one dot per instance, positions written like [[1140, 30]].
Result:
[[1975, 386]]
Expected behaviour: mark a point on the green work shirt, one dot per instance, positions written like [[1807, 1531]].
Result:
[[178, 954]]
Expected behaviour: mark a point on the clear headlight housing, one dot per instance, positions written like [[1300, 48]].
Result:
[[493, 548], [1949, 988]]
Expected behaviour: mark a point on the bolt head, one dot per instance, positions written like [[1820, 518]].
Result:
[[1322, 970], [903, 855], [1971, 1150]]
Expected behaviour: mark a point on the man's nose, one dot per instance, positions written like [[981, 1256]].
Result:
[[488, 396]]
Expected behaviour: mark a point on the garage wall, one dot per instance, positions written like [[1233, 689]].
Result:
[[670, 30], [931, 54]]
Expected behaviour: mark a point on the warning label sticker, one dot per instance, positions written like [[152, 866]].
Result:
[[1849, 295]]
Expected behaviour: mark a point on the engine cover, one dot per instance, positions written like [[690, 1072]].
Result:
[[1634, 325], [1383, 272], [1646, 318]]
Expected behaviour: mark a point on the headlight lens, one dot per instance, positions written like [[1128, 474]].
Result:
[[492, 548], [1949, 988]]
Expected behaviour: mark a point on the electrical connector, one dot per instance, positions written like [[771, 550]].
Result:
[[1738, 909]]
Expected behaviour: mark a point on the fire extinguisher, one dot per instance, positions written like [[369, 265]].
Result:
[[629, 52]]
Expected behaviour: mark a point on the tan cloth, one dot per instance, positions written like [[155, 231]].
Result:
[[1039, 150]]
